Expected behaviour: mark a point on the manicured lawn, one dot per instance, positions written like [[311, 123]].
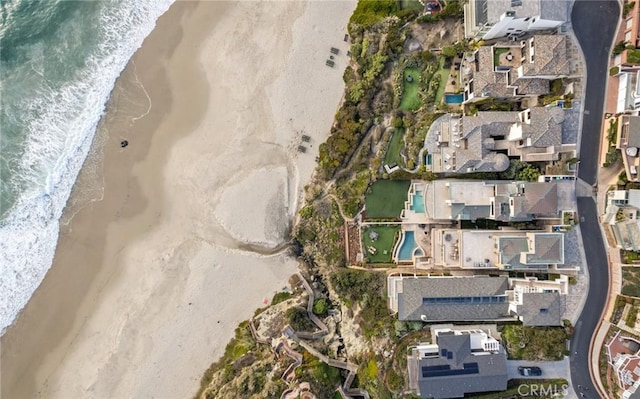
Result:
[[411, 5], [444, 76], [383, 244], [631, 281], [393, 150], [410, 100], [497, 52], [385, 199]]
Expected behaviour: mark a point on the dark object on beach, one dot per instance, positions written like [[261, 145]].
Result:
[[334, 50], [124, 143], [330, 63], [331, 57], [346, 37], [348, 53], [302, 149], [306, 138]]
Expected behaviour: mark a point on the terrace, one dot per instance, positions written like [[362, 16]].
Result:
[[505, 58]]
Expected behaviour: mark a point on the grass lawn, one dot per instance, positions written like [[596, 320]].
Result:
[[393, 150], [385, 199], [410, 100], [497, 52], [384, 243], [631, 281], [444, 76], [411, 5]]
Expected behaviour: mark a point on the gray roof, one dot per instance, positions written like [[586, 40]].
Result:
[[633, 134], [510, 250], [467, 372], [633, 198], [551, 56], [540, 309], [487, 82], [548, 248], [412, 306], [541, 198], [478, 133], [545, 128], [535, 86]]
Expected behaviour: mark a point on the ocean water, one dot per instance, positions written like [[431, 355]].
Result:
[[59, 60]]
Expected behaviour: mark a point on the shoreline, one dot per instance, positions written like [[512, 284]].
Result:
[[130, 288]]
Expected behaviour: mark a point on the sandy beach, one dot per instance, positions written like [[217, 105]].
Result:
[[172, 241]]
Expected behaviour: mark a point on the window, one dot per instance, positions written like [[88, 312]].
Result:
[[516, 3], [629, 23], [544, 310]]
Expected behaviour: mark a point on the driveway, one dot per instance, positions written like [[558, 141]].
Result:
[[559, 369]]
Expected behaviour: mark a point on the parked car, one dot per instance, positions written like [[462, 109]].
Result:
[[530, 371]]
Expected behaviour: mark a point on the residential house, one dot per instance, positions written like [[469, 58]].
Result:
[[516, 69], [497, 249], [626, 65], [628, 142], [623, 355], [477, 298], [458, 362], [621, 218], [539, 302], [485, 142], [488, 19], [446, 200]]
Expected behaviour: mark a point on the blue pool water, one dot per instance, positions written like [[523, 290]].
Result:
[[407, 247], [418, 202], [453, 98]]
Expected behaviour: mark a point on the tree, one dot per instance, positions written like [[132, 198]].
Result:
[[449, 51], [529, 173], [320, 307]]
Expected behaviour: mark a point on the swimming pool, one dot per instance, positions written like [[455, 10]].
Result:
[[407, 247], [418, 202], [453, 98]]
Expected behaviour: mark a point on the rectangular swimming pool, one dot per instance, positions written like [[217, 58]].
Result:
[[453, 98], [418, 202]]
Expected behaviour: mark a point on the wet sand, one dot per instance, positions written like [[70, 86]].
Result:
[[152, 275]]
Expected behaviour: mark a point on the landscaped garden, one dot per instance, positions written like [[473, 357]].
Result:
[[497, 52], [378, 243], [385, 199], [534, 343], [443, 75], [631, 281], [410, 86], [392, 156]]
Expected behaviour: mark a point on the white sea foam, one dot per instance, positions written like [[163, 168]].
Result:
[[59, 138]]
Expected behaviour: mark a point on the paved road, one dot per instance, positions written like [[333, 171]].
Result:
[[598, 289], [594, 24], [559, 369]]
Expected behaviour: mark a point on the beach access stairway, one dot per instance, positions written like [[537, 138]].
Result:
[[345, 389]]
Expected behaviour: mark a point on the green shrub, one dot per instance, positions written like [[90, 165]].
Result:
[[630, 321], [280, 297], [320, 307]]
